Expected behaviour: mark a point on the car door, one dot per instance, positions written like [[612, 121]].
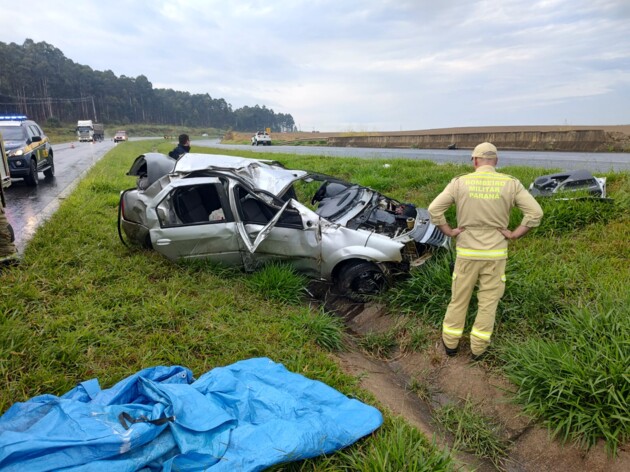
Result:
[[283, 231], [36, 138], [194, 220]]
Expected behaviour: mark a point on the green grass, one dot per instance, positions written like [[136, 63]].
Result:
[[473, 432], [379, 345], [326, 330], [578, 383], [577, 257], [394, 448], [278, 282], [81, 305]]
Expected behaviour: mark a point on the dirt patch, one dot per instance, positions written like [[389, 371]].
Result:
[[448, 380]]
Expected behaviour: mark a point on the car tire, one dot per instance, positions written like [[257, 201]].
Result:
[[50, 172], [360, 280], [32, 179], [257, 143]]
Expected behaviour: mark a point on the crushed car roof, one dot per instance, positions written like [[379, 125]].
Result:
[[260, 173]]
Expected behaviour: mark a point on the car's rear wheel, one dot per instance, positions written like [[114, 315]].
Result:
[[50, 172], [360, 280], [32, 178]]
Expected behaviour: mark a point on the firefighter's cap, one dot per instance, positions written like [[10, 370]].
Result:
[[485, 151]]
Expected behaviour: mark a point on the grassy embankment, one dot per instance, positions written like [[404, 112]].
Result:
[[564, 322], [84, 306]]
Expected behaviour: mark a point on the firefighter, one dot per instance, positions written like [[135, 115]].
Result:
[[8, 251], [483, 200]]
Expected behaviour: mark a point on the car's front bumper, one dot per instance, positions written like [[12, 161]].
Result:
[[19, 166]]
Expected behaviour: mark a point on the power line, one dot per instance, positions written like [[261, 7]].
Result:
[[39, 100]]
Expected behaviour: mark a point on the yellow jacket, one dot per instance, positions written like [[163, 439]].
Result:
[[483, 200]]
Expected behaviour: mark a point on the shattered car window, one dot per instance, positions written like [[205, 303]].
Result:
[[255, 211], [197, 204]]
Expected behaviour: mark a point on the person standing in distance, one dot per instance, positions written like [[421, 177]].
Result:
[[483, 200], [182, 148], [8, 251]]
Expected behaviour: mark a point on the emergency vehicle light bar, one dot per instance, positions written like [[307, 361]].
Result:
[[13, 117]]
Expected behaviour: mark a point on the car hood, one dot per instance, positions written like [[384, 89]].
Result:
[[358, 207], [11, 145]]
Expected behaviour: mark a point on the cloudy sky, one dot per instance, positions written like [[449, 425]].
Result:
[[360, 65]]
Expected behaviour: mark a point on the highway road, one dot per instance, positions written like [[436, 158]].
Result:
[[28, 207], [595, 162]]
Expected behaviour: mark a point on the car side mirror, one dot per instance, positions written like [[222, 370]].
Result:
[[36, 139]]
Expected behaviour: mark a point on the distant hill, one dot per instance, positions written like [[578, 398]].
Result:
[[37, 80]]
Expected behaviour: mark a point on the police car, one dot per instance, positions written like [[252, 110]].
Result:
[[28, 148]]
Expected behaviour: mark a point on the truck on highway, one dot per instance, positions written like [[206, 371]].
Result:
[[88, 131], [99, 132]]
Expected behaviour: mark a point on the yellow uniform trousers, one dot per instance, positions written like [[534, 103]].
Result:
[[7, 248], [490, 275]]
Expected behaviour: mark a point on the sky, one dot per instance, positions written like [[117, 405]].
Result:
[[364, 65]]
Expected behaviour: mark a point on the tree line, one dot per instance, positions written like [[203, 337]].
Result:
[[37, 80]]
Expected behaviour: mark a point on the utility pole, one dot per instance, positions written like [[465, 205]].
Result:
[[94, 109]]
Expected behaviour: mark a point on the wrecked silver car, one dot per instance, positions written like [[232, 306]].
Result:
[[570, 181], [247, 212]]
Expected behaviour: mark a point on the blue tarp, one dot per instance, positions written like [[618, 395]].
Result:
[[243, 417]]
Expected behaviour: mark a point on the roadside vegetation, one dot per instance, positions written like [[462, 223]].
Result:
[[82, 305], [567, 294], [474, 432]]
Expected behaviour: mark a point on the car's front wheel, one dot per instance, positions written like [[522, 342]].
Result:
[[50, 172], [361, 279], [32, 178]]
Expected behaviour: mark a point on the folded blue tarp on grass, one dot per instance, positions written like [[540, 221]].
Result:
[[243, 417]]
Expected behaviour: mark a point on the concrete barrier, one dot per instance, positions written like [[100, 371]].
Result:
[[595, 140]]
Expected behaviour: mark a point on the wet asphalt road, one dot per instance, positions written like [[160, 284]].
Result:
[[595, 162], [29, 207]]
